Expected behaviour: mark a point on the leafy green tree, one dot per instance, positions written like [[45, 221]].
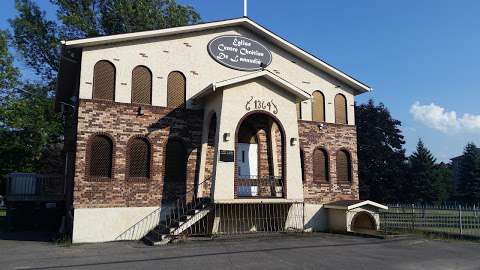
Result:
[[381, 157], [8, 73], [443, 183], [469, 180], [36, 39], [421, 177], [31, 133], [91, 18]]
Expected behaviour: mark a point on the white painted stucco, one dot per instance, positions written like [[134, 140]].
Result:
[[188, 53], [92, 225]]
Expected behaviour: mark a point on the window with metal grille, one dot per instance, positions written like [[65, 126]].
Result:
[[176, 90], [212, 129], [344, 166], [141, 85], [139, 158], [104, 81], [101, 153], [340, 109], [320, 165], [318, 106]]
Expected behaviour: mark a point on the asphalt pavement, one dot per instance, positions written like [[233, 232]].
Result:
[[307, 251]]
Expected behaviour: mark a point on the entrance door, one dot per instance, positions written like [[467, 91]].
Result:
[[247, 161], [247, 156]]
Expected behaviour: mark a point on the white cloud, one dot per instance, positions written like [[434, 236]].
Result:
[[436, 117]]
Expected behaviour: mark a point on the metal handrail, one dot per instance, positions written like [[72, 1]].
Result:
[[273, 182], [146, 220]]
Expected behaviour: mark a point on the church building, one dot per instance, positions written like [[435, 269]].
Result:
[[200, 116]]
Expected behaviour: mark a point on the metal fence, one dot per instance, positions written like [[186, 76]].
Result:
[[453, 220], [31, 186], [221, 220]]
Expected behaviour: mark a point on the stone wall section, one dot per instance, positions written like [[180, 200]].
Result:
[[332, 138], [121, 122]]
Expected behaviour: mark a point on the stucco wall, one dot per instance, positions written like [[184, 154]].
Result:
[[106, 224], [234, 107], [188, 53]]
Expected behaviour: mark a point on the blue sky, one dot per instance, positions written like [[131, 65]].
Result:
[[422, 57]]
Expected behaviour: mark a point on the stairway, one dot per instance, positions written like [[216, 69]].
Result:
[[181, 217]]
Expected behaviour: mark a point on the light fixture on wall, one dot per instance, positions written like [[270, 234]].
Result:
[[226, 136], [320, 126], [293, 141]]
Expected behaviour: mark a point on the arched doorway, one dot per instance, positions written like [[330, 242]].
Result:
[[363, 221], [260, 155], [175, 175]]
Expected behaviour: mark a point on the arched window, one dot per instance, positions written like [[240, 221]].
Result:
[[320, 165], [212, 129], [340, 109], [101, 153], [318, 106], [176, 90], [104, 81], [175, 175], [141, 85], [302, 164], [139, 155], [344, 166]]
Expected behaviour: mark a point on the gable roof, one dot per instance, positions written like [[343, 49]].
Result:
[[296, 91], [245, 22], [352, 204]]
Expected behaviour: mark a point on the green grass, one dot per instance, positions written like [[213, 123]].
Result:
[[3, 213]]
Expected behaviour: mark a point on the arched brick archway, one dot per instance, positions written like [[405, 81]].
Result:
[[260, 156], [363, 221]]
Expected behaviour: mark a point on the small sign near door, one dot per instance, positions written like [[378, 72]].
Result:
[[226, 155]]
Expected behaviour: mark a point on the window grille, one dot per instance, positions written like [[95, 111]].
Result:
[[101, 150], [320, 165], [344, 171], [141, 85], [318, 107], [340, 109], [176, 90], [104, 81], [139, 158]]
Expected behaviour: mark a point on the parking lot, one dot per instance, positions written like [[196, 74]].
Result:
[[317, 251]]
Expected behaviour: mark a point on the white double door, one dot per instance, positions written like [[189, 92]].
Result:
[[247, 162]]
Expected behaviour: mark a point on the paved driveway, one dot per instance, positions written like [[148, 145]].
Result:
[[318, 251]]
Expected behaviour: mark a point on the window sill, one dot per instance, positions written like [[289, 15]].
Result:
[[137, 179], [98, 179], [344, 183]]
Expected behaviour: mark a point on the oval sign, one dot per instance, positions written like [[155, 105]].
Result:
[[240, 53]]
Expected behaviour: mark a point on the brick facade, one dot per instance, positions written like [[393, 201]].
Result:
[[121, 122], [331, 138]]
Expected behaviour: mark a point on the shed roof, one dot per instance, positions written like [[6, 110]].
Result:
[[352, 204]]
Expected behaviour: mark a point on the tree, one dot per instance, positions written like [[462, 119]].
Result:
[[421, 176], [469, 180], [381, 157], [8, 73], [443, 183], [31, 133], [90, 18]]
